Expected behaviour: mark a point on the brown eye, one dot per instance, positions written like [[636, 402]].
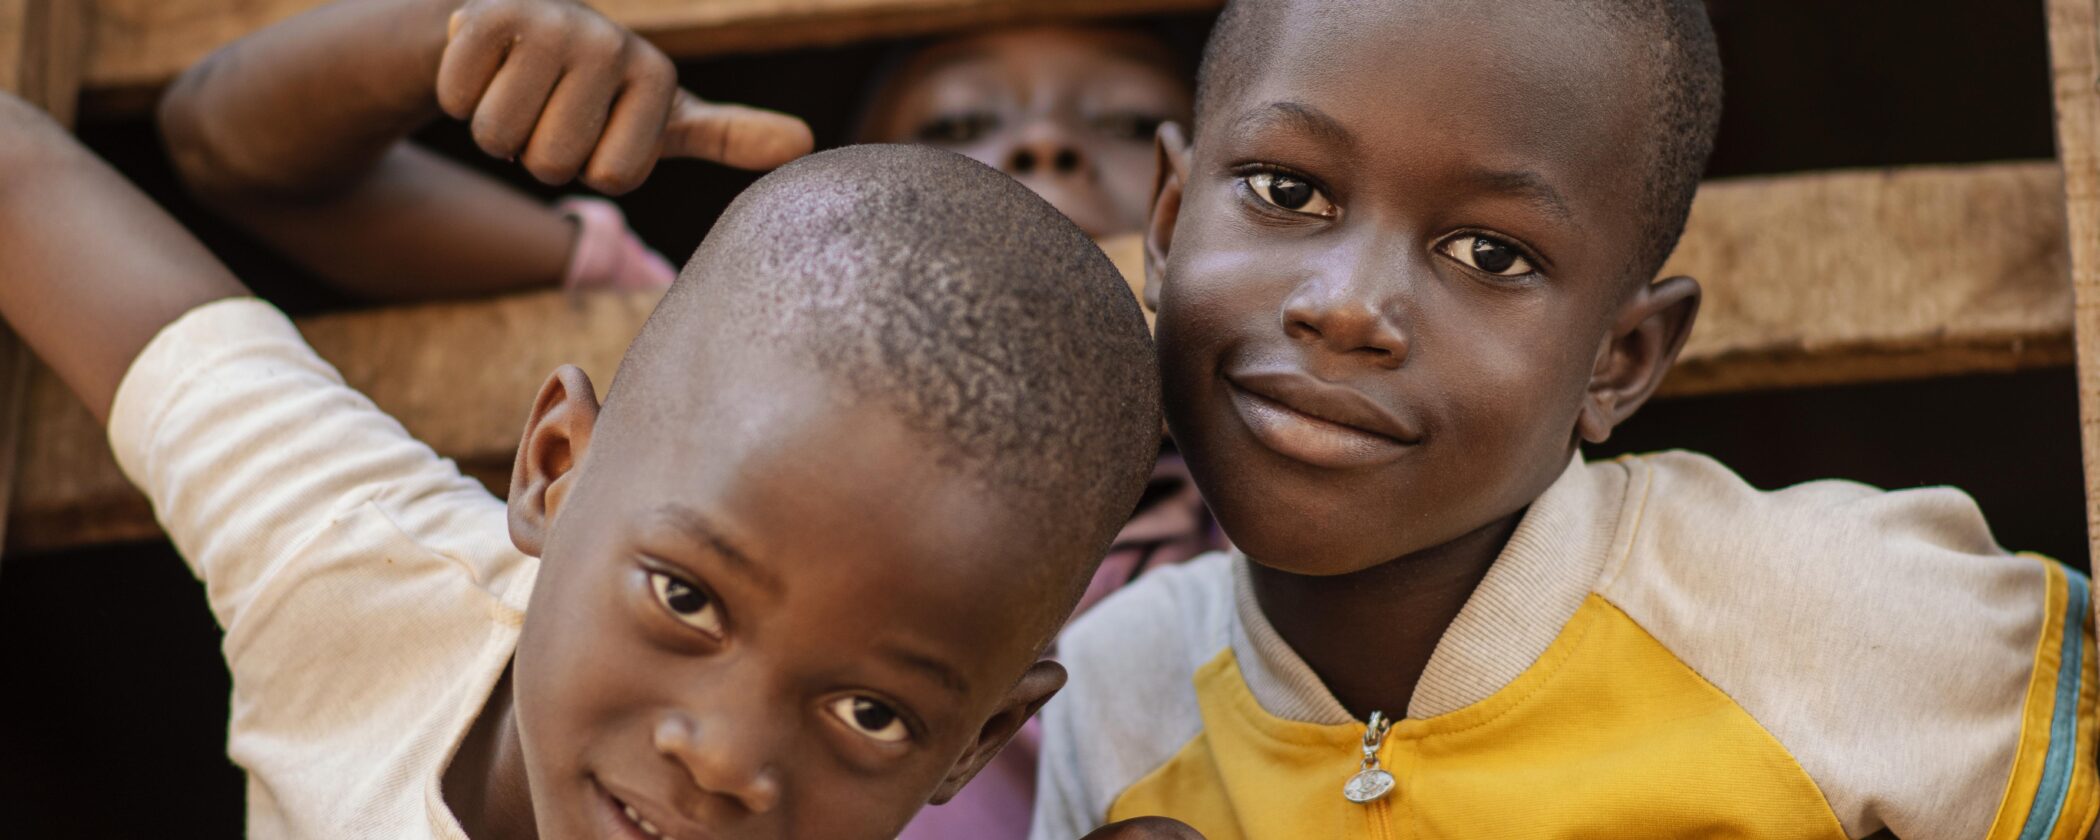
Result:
[[1488, 254], [870, 717], [687, 603], [956, 129], [1290, 192]]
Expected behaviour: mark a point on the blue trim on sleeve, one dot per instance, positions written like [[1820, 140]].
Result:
[[2063, 725]]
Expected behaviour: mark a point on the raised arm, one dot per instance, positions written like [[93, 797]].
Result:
[[297, 133], [90, 269]]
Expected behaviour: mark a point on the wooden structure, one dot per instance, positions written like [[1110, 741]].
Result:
[[2074, 51], [1905, 273]]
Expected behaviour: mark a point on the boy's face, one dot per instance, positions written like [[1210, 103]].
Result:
[[1390, 270], [1069, 111], [784, 620]]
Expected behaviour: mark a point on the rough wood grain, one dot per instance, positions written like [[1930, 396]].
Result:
[[138, 45], [2074, 52], [1860, 276], [40, 60], [1827, 278]]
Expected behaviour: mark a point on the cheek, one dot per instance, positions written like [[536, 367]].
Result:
[[572, 654], [1512, 381]]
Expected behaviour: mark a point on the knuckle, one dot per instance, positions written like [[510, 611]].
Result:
[[609, 181], [650, 67], [494, 138]]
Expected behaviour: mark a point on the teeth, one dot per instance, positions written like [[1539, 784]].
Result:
[[647, 827]]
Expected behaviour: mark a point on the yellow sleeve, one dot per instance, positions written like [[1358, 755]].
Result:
[[2053, 792]]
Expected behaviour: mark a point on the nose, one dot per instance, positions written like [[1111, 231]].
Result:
[[1351, 317], [721, 759], [1045, 149]]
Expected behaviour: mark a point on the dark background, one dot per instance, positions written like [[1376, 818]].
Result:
[[113, 723]]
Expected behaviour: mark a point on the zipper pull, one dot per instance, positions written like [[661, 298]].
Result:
[[1371, 783]]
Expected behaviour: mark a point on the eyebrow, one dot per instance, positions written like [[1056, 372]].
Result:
[[1296, 116], [697, 527], [1524, 184], [948, 677]]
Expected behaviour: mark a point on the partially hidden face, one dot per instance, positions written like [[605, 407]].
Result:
[[1390, 270], [780, 619], [1069, 111]]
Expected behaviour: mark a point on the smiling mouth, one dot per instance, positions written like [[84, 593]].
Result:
[[629, 823], [1307, 438]]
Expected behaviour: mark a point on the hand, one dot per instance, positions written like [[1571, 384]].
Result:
[[1145, 828], [568, 93]]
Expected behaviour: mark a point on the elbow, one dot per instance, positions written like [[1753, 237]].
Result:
[[202, 163]]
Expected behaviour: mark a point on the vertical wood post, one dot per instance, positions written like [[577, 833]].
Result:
[[42, 53]]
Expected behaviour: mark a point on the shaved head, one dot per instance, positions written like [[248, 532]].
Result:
[[949, 295]]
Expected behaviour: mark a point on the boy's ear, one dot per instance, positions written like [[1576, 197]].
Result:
[[1172, 148], [1036, 687], [556, 435], [1650, 330]]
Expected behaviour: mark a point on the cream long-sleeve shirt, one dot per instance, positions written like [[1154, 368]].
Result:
[[370, 593]]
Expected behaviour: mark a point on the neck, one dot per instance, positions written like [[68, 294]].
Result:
[[1368, 635], [485, 784]]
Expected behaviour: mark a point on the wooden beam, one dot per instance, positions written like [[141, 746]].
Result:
[[2074, 51], [1863, 276], [41, 58], [1816, 279], [139, 45]]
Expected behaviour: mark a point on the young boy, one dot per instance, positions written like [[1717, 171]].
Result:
[[790, 580], [1404, 271], [298, 133]]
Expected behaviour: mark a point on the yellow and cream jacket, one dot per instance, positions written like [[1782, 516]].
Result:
[[1661, 651]]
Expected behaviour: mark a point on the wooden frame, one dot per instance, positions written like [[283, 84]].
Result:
[[1959, 269], [1963, 273], [139, 45], [2074, 52]]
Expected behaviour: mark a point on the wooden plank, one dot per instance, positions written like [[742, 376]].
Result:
[[2074, 52], [139, 45], [1875, 275], [1815, 279], [41, 59]]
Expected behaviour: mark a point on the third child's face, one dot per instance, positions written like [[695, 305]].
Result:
[[1068, 111], [1399, 249]]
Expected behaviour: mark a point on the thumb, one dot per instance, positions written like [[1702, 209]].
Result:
[[733, 135]]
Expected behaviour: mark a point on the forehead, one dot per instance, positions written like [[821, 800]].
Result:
[[1503, 86], [1069, 51]]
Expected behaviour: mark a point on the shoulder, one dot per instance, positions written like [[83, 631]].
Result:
[[1130, 704], [1884, 638]]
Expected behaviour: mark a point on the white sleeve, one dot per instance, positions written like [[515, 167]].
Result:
[[247, 444], [1061, 809]]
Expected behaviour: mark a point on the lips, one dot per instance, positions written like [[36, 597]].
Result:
[[630, 818], [1316, 422]]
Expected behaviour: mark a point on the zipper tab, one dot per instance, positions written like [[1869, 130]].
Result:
[[1371, 783]]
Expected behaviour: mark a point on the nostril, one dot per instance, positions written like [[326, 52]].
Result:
[[1067, 161], [1022, 162]]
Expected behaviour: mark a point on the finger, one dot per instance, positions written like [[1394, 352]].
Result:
[[474, 50], [734, 135], [627, 149], [570, 125], [511, 106]]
